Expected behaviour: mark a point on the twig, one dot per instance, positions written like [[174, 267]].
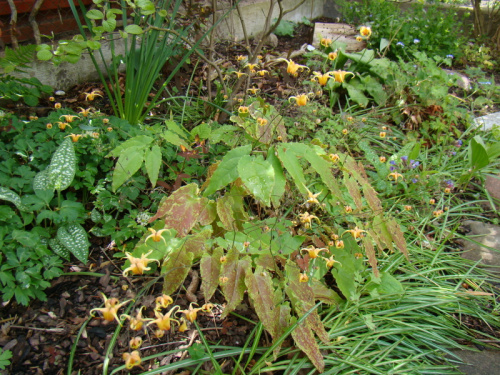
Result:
[[193, 286], [52, 330], [13, 23], [32, 21]]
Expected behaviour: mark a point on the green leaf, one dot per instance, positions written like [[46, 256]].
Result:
[[139, 142], [293, 167], [279, 177], [62, 167], [266, 300], [152, 159], [176, 268], [478, 156], [95, 14], [58, 248], [227, 171], [174, 139], [183, 209], [258, 176], [74, 238], [356, 95], [234, 269], [127, 165], [384, 43], [210, 271], [5, 356], [12, 197], [109, 25], [42, 181], [134, 29], [44, 55]]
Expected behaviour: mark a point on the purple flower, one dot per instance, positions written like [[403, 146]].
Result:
[[392, 162], [414, 180], [458, 143], [453, 153], [404, 158], [449, 184], [414, 164], [450, 56], [401, 44], [392, 168]]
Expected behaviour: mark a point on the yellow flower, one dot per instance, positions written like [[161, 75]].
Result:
[[252, 67], [359, 39], [306, 218], [137, 322], [312, 198], [293, 68], [223, 280], [95, 135], [253, 90], [109, 129], [239, 74], [313, 251], [334, 158], [395, 176], [207, 307], [347, 209], [138, 265], [132, 359], [437, 213], [49, 126], [91, 95], [240, 58], [110, 309], [183, 326], [322, 79], [325, 42], [345, 131], [303, 278], [382, 159], [84, 112], [408, 208], [57, 105], [223, 259], [75, 137], [62, 125], [382, 134], [52, 99], [356, 232], [191, 313], [262, 72], [339, 244], [262, 121], [163, 321], [135, 343], [432, 201], [242, 109], [301, 100], [33, 118], [330, 261], [340, 75], [68, 118], [156, 235], [332, 56], [105, 121], [365, 31], [447, 190], [163, 302]]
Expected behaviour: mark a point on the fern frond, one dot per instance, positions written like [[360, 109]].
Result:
[[17, 59]]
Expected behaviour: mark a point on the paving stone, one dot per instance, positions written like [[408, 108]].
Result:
[[486, 362], [489, 121], [487, 240], [492, 185]]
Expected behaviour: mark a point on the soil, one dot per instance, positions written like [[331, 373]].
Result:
[[41, 335]]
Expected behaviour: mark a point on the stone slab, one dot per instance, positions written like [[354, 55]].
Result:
[[486, 362], [489, 121], [338, 32], [486, 245]]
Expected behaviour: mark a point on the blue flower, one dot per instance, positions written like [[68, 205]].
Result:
[[414, 164], [453, 153], [450, 56], [392, 162], [404, 158], [449, 184], [414, 180], [416, 41], [392, 168], [459, 143], [485, 83], [401, 44]]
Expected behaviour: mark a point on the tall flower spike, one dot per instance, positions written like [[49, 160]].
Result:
[[110, 309], [156, 235], [138, 265]]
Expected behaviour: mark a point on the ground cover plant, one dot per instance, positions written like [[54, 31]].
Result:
[[314, 227]]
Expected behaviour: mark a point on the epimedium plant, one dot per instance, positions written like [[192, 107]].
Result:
[[284, 261]]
